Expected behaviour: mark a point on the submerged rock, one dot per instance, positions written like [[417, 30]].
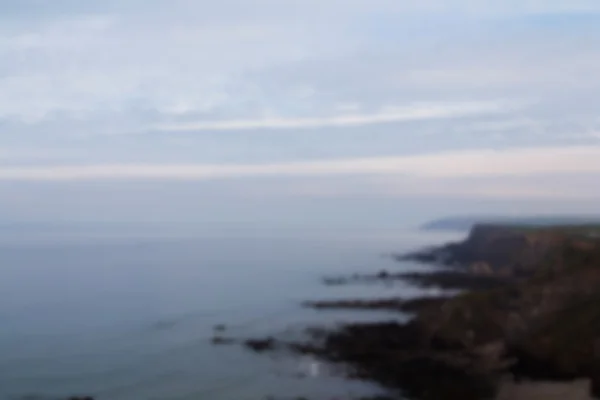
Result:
[[219, 340], [260, 345]]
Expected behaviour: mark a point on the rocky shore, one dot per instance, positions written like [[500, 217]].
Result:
[[529, 310]]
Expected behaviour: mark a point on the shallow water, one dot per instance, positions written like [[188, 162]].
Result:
[[130, 317]]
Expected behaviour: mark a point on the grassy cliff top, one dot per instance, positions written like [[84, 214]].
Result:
[[579, 229]]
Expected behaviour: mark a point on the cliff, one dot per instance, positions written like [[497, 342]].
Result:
[[529, 308], [505, 248], [542, 322], [547, 321], [466, 223]]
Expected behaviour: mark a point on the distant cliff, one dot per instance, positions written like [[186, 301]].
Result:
[[507, 249], [467, 223]]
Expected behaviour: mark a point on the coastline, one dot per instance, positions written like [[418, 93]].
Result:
[[501, 334]]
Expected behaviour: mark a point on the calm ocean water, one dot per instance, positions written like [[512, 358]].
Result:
[[130, 316]]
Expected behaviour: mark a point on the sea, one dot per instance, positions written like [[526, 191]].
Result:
[[130, 315]]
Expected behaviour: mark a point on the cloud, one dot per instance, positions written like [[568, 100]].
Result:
[[459, 164], [197, 109], [160, 59], [237, 60], [550, 187], [388, 114], [556, 187], [28, 156], [399, 77], [229, 9]]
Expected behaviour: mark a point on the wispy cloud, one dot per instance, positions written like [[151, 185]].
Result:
[[460, 164], [388, 114]]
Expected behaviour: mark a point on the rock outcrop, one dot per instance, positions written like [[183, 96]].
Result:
[[548, 321], [504, 250], [529, 308], [542, 323]]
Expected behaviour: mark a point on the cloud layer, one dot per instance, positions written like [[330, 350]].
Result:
[[463, 164], [397, 99]]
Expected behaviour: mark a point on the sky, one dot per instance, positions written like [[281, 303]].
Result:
[[298, 113]]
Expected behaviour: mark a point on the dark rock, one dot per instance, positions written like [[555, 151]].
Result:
[[595, 389], [383, 304], [430, 255], [306, 348], [446, 279], [383, 275], [396, 356], [381, 398], [317, 332], [260, 345], [532, 309], [453, 280], [393, 304], [335, 281], [421, 304]]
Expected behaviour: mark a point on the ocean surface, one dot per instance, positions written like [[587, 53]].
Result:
[[130, 315]]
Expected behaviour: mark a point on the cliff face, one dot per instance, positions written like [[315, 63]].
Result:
[[549, 319], [505, 247], [541, 320]]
